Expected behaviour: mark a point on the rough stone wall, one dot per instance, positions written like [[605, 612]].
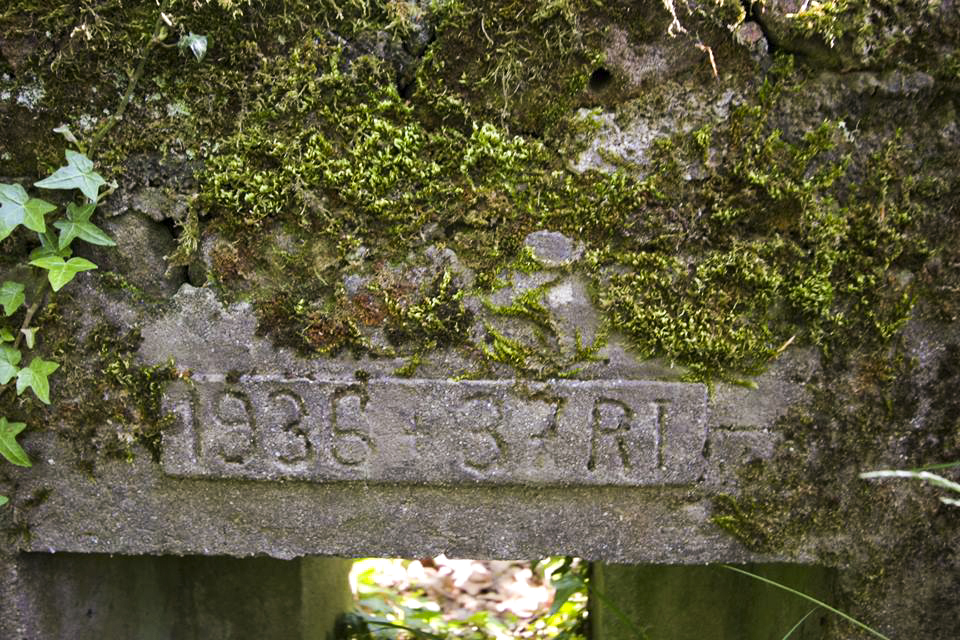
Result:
[[741, 188]]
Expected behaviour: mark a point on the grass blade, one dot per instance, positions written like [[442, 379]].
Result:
[[937, 467], [797, 626], [638, 633], [843, 615], [932, 478]]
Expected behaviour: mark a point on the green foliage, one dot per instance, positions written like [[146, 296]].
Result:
[[9, 359], [60, 271], [195, 44], [77, 174], [9, 447], [78, 225], [11, 297], [926, 476], [54, 256], [383, 612], [16, 208], [34, 377]]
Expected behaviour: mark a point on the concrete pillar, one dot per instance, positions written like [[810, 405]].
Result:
[[92, 597], [660, 602]]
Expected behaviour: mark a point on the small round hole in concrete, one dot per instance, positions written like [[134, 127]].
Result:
[[600, 79]]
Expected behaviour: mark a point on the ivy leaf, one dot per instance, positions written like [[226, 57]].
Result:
[[9, 447], [5, 335], [35, 377], [17, 207], [4, 500], [195, 43], [11, 297], [78, 174], [30, 334], [9, 359], [49, 246], [78, 225], [67, 134], [59, 271], [46, 252]]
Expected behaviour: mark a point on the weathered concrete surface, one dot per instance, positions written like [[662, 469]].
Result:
[[91, 597], [391, 430], [738, 188], [134, 508], [273, 454]]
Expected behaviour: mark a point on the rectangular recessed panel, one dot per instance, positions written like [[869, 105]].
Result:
[[388, 430]]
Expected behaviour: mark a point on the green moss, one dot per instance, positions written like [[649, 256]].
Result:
[[868, 33], [411, 366], [330, 149], [809, 490], [124, 405], [332, 329], [507, 351], [435, 318], [699, 315], [528, 306], [116, 281], [774, 245], [509, 62], [104, 403]]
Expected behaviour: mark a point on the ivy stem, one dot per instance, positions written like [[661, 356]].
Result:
[[155, 38], [41, 298]]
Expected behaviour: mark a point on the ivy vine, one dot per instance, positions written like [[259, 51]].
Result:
[[56, 230]]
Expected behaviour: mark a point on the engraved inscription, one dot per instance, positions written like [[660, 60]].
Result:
[[610, 434], [482, 416], [541, 414], [562, 432], [233, 412], [352, 444], [288, 439]]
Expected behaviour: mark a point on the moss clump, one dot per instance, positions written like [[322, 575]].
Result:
[[774, 244], [509, 62], [504, 350], [871, 30], [331, 331], [699, 315], [103, 402], [436, 318], [542, 355], [528, 306], [80, 52], [367, 179], [123, 407]]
